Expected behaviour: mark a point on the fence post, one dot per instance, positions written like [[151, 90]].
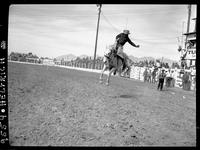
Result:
[[139, 73]]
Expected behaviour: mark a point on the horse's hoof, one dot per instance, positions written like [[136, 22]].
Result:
[[100, 81], [107, 84]]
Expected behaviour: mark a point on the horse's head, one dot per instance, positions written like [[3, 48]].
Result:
[[114, 52]]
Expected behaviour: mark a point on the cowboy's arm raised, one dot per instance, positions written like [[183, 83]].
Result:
[[133, 44]]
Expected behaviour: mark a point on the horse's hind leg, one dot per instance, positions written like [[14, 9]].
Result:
[[119, 67], [108, 78], [101, 76]]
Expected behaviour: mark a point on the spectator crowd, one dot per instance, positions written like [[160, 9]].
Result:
[[169, 77]]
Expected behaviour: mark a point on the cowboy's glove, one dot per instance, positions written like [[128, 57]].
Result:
[[137, 46]]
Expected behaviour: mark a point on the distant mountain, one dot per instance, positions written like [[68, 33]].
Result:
[[136, 59], [133, 58], [70, 57], [169, 61], [83, 56], [165, 60], [67, 57]]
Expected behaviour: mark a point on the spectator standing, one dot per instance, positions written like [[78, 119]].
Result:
[[153, 76], [161, 78], [185, 81], [168, 78], [157, 73], [149, 76], [145, 74], [176, 74], [193, 74], [173, 78]]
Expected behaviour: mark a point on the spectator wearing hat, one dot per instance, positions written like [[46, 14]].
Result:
[[161, 78]]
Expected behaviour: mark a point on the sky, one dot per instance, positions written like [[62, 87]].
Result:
[[55, 30]]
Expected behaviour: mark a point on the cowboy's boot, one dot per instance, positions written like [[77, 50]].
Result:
[[124, 64]]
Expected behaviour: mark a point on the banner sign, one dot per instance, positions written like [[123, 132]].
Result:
[[191, 54]]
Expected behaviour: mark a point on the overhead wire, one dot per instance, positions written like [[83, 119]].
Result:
[[113, 27], [140, 40]]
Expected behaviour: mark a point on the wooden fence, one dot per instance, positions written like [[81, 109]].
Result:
[[98, 66]]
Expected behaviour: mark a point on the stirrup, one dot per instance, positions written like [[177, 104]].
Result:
[[124, 66], [114, 73]]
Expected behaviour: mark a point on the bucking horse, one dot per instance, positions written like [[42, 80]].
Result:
[[113, 64]]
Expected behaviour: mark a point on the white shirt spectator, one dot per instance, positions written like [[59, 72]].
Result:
[[173, 74], [168, 74]]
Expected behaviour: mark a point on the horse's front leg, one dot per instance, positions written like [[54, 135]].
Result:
[[109, 74], [119, 71], [128, 71], [101, 76]]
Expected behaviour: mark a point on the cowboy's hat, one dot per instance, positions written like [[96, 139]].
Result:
[[126, 32]]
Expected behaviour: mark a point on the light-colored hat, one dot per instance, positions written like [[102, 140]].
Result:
[[126, 32], [111, 47]]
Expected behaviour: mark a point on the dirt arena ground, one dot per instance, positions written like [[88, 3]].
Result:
[[61, 107]]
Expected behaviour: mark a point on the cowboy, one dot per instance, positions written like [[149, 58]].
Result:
[[121, 39]]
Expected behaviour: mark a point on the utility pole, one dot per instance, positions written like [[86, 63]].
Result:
[[188, 22], [182, 33], [189, 15], [188, 27], [99, 5]]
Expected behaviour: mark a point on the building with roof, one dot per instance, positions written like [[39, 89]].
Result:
[[190, 48]]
